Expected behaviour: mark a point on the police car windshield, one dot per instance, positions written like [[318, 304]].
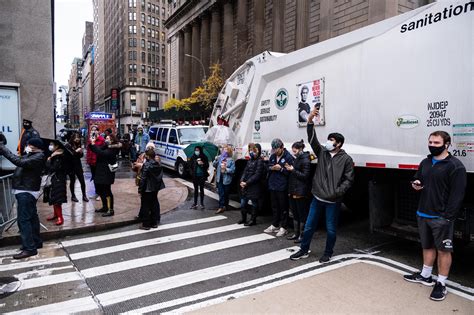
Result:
[[191, 135]]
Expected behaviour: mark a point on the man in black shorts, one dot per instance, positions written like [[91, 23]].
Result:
[[441, 179]]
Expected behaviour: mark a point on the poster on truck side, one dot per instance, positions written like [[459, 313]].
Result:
[[311, 95]]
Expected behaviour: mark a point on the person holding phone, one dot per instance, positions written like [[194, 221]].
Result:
[[441, 180], [199, 170]]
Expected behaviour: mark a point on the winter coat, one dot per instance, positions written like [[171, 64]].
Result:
[[91, 157], [105, 155], [334, 175], [27, 175], [76, 165], [151, 177], [298, 182], [229, 171], [57, 169], [252, 176], [278, 180], [193, 164]]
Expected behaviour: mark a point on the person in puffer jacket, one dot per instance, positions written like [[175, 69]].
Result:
[[91, 156], [298, 187]]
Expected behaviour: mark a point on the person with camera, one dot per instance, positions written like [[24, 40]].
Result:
[[75, 147], [441, 180], [105, 172], [26, 188], [57, 168], [199, 165]]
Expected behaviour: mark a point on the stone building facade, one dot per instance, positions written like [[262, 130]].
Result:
[[232, 31]]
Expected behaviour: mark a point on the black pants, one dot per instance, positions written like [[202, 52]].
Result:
[[198, 182], [72, 181], [104, 191], [93, 168], [279, 208], [299, 208], [150, 208]]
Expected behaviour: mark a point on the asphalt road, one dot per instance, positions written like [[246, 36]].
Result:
[[193, 256]]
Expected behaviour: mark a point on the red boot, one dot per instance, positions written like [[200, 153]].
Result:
[[60, 219], [54, 216]]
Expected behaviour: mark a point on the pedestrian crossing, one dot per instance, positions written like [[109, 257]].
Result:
[[179, 267]]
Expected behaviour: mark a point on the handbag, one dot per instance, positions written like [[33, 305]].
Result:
[[47, 189], [113, 167]]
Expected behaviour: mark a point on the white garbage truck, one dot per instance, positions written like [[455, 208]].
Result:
[[385, 87]]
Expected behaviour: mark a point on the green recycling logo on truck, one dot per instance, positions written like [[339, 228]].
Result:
[[281, 98]]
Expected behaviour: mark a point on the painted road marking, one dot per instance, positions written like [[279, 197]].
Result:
[[154, 241], [209, 193], [33, 263], [106, 237], [66, 307], [188, 278], [156, 259]]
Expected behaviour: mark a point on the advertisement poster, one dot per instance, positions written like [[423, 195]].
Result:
[[9, 122], [311, 95]]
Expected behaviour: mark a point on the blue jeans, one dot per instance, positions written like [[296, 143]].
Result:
[[223, 193], [332, 215], [28, 222]]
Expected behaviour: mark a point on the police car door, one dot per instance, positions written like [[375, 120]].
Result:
[[172, 148]]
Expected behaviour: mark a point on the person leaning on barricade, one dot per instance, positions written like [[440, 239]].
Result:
[[26, 187]]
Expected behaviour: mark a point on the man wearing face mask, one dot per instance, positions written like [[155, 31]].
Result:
[[333, 177], [26, 187], [27, 133], [441, 179]]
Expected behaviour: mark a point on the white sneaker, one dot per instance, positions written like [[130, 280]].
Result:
[[271, 229], [282, 232]]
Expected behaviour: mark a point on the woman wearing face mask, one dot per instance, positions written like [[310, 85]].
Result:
[[225, 166], [199, 166], [104, 177], [250, 183], [56, 166], [298, 188], [74, 146]]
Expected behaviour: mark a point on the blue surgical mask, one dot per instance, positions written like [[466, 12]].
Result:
[[197, 153], [329, 145], [51, 148], [252, 155]]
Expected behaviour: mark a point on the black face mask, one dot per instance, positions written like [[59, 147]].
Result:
[[26, 126], [435, 151]]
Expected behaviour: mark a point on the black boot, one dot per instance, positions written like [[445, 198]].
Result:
[[110, 204], [243, 212], [253, 218], [104, 205], [74, 198]]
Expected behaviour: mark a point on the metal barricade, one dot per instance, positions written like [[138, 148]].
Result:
[[7, 202]]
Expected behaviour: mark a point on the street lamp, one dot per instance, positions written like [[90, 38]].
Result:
[[199, 60], [61, 88]]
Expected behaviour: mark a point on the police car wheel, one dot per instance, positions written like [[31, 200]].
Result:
[[181, 168]]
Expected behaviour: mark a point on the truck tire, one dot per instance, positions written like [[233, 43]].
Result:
[[181, 168]]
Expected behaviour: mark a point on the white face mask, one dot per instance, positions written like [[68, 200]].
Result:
[[28, 150], [51, 148], [329, 145]]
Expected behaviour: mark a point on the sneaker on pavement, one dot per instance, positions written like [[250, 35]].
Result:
[[282, 232], [299, 255], [324, 259], [417, 277], [271, 229], [439, 292]]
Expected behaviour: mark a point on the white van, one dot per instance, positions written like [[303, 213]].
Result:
[[170, 140]]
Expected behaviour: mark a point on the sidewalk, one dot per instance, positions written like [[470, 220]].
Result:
[[79, 217]]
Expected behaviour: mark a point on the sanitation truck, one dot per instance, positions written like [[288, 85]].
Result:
[[385, 87]]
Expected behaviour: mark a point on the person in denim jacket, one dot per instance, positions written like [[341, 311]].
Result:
[[225, 166]]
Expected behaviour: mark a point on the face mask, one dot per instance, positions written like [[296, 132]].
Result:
[[51, 148], [197, 153], [435, 151], [107, 142], [26, 126], [224, 154], [28, 150], [329, 145], [252, 155], [140, 132]]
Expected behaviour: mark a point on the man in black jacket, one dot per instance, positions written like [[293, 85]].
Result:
[[334, 175], [26, 185], [27, 133], [441, 179]]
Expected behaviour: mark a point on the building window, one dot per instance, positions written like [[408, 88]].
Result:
[[132, 16], [162, 36], [130, 55], [149, 82], [130, 42], [163, 11], [163, 84], [153, 21], [153, 71], [143, 43], [132, 3], [130, 81], [143, 17], [149, 69], [143, 81], [153, 46], [143, 4], [149, 58], [134, 68], [143, 57], [149, 45], [162, 48], [163, 60], [130, 29], [133, 96], [163, 74], [134, 29], [149, 7], [130, 68], [153, 8], [149, 19], [143, 68], [134, 55], [143, 30]]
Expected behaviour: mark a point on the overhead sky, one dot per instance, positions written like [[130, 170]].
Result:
[[70, 19]]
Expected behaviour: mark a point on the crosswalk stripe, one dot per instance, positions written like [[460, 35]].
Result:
[[180, 254], [50, 280], [33, 263], [208, 193], [66, 307], [11, 252], [188, 278], [154, 241], [168, 226]]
